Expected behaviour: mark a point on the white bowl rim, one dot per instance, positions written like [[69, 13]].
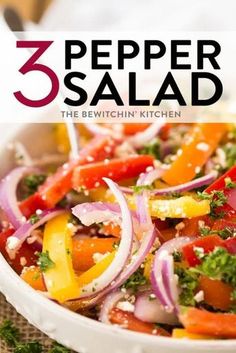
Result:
[[17, 283]]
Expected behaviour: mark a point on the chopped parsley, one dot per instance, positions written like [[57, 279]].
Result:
[[233, 295], [138, 189], [230, 155], [218, 264], [223, 233], [9, 333], [217, 199], [58, 348], [136, 280], [188, 283], [152, 148], [229, 184], [44, 261], [33, 181], [177, 256], [30, 347], [34, 219]]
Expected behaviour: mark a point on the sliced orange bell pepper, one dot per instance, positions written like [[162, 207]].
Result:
[[208, 323], [33, 276], [61, 280], [111, 229], [84, 249], [216, 293], [202, 141]]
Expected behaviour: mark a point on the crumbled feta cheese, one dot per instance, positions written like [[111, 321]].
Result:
[[12, 243], [202, 146], [199, 296], [126, 306]]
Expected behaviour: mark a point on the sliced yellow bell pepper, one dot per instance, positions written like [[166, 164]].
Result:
[[61, 280], [182, 207], [182, 333], [96, 270], [148, 266]]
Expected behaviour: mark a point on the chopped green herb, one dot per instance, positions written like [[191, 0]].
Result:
[[229, 183], [136, 280], [36, 276], [68, 251], [175, 195], [139, 188], [30, 347], [218, 264], [199, 252], [204, 231], [34, 219], [152, 148], [74, 220], [223, 233], [115, 245], [188, 283], [217, 199], [230, 155], [9, 333], [44, 261], [33, 181], [58, 348], [63, 203], [233, 295], [177, 256]]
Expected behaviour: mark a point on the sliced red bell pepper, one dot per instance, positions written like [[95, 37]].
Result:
[[192, 225], [207, 243], [230, 245], [220, 185], [130, 322], [25, 256], [57, 185], [90, 176], [208, 323]]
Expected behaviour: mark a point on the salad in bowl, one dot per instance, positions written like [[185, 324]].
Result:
[[136, 229]]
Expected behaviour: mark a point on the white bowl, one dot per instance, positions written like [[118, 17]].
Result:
[[82, 334]]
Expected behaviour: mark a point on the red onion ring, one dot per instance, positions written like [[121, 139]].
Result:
[[162, 275], [136, 260], [100, 212], [124, 249], [151, 310], [8, 199], [15, 241], [97, 129], [139, 139], [196, 183], [170, 281], [109, 303], [142, 198]]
